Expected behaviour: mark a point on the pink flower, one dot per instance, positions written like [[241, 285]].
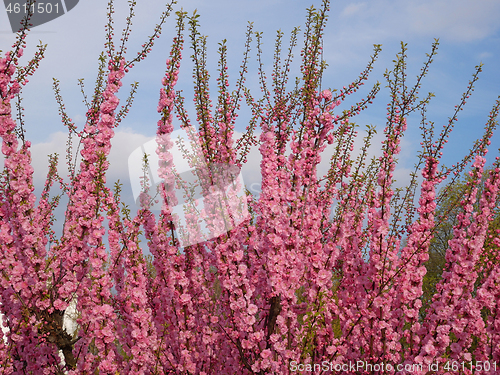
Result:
[[265, 353], [324, 277], [252, 309], [326, 94], [185, 298]]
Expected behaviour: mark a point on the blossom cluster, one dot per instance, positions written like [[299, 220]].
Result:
[[318, 269]]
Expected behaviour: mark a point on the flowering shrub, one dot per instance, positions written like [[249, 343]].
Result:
[[323, 272]]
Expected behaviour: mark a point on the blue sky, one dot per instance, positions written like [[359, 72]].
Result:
[[469, 33]]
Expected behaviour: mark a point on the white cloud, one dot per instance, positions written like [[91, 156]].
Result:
[[485, 55], [362, 24], [457, 20], [123, 143], [353, 9], [126, 141]]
